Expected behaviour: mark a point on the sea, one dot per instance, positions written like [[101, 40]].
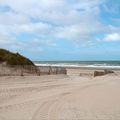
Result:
[[81, 64]]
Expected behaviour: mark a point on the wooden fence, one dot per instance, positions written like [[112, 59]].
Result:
[[26, 70]]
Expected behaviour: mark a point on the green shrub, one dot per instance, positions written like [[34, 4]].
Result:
[[14, 59]]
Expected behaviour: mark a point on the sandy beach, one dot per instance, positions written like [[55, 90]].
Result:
[[61, 97]]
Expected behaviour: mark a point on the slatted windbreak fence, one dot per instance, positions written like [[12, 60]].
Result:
[[26, 70]]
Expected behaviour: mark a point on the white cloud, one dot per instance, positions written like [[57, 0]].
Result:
[[11, 18], [82, 32], [112, 37], [52, 19], [33, 28], [55, 11]]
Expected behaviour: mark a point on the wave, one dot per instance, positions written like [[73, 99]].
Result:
[[101, 66]]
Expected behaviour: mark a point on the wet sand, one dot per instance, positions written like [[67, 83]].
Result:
[[61, 97]]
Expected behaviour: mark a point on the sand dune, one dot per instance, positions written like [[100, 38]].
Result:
[[60, 97]]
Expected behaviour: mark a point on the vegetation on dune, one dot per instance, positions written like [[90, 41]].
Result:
[[13, 58]]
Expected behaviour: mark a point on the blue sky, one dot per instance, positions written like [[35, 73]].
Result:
[[61, 29]]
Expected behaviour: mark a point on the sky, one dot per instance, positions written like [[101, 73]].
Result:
[[61, 29]]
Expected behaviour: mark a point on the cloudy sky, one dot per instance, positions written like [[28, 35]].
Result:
[[61, 29]]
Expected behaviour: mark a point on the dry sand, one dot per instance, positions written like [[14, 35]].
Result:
[[60, 97]]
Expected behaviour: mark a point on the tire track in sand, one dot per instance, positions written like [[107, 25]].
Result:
[[49, 110]]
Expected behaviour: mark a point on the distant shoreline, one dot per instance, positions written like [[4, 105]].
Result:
[[92, 67]]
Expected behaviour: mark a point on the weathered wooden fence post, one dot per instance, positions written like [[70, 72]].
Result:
[[39, 72], [22, 71], [56, 70], [50, 70]]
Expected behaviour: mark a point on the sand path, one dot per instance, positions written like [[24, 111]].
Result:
[[60, 98]]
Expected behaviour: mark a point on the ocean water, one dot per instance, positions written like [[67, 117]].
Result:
[[81, 64]]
